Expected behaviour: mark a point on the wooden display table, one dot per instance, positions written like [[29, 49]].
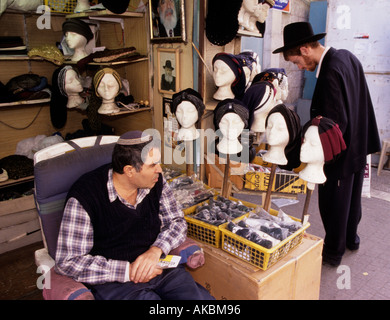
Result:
[[295, 277]]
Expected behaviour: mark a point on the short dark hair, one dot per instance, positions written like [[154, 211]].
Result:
[[129, 155], [295, 51]]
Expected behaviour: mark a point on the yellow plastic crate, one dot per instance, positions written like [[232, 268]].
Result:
[[255, 254], [203, 231], [283, 182], [63, 6]]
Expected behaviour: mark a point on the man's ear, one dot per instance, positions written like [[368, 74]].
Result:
[[128, 170], [304, 51]]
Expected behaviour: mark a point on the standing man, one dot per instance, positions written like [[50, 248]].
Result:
[[341, 94], [118, 221]]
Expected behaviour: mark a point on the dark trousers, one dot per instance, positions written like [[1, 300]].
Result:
[[172, 284], [341, 210]]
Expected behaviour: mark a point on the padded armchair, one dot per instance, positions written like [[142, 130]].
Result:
[[56, 168]]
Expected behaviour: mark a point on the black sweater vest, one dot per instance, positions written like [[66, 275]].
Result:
[[119, 232]]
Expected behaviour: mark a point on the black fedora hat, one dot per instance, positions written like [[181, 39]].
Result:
[[298, 33], [116, 6]]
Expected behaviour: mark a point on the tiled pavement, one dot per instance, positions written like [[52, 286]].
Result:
[[363, 274]]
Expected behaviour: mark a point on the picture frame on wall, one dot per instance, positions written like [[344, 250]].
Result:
[[167, 21], [168, 64]]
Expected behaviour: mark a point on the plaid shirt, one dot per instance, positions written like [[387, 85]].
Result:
[[75, 239]]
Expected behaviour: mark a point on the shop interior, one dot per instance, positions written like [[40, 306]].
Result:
[[223, 145]]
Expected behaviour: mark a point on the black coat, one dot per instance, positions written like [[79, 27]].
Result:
[[342, 94]]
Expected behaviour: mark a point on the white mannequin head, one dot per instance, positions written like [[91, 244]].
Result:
[[231, 126], [261, 12], [73, 87], [82, 5], [252, 11], [278, 138], [187, 116], [77, 42], [260, 115], [312, 153], [223, 78], [107, 86]]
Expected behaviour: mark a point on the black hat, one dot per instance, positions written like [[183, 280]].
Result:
[[231, 106], [116, 6], [190, 95], [168, 64], [298, 33], [77, 26]]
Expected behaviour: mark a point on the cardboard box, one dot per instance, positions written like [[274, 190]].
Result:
[[295, 277]]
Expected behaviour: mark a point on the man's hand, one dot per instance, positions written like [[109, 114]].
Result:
[[144, 268]]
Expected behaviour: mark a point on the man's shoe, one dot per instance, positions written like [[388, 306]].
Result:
[[333, 262], [355, 245]]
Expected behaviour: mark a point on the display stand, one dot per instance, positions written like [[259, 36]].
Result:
[[267, 202], [305, 215], [225, 184]]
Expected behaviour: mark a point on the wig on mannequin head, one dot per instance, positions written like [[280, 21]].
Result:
[[235, 64], [190, 95], [99, 76], [59, 98], [293, 147]]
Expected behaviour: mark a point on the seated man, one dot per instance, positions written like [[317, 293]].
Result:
[[118, 221]]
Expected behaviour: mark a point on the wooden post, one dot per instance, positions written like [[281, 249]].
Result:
[[225, 184], [267, 202], [305, 216]]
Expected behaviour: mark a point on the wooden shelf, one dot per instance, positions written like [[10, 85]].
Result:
[[106, 13], [11, 182], [24, 102], [113, 63], [127, 112]]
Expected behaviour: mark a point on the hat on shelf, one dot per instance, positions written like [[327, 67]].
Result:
[[78, 26], [297, 33], [116, 6]]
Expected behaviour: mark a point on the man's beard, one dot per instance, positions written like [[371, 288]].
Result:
[[168, 78], [171, 22]]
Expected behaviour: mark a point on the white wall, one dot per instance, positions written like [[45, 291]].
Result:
[[362, 27]]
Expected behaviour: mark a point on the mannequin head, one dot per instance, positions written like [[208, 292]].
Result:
[[188, 107], [82, 5], [250, 64], [278, 78], [313, 155], [68, 83], [107, 85], [277, 137], [330, 135], [77, 35], [260, 99], [231, 118], [253, 11], [290, 129], [229, 76], [262, 9]]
